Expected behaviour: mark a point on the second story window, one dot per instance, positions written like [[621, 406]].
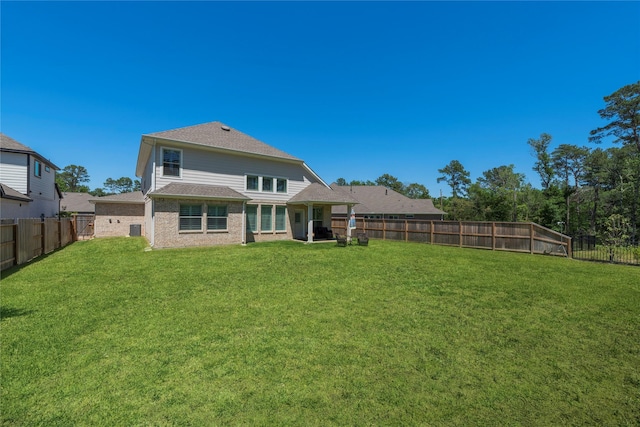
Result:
[[267, 184], [281, 185], [37, 168], [252, 183], [171, 162]]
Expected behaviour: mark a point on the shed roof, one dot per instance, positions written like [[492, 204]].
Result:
[[76, 202], [200, 191], [135, 197], [376, 199]]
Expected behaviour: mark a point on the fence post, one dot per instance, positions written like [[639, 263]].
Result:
[[384, 228], [493, 236], [569, 248], [460, 233], [431, 232], [531, 242], [406, 230]]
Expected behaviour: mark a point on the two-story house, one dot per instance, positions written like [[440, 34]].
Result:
[[27, 182], [210, 184]]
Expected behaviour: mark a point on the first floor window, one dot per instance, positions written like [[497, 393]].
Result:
[[216, 217], [252, 218], [190, 217], [266, 218], [281, 218]]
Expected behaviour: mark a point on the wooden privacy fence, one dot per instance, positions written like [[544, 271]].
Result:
[[499, 236], [29, 238]]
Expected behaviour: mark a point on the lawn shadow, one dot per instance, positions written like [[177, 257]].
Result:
[[7, 312]]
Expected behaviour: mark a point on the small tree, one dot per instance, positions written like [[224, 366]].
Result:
[[616, 233]]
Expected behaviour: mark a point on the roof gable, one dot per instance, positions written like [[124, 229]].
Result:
[[220, 136]]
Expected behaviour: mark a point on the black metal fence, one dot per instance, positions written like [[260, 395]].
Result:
[[591, 249]]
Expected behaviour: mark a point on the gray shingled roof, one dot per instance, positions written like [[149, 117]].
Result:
[[318, 193], [375, 199], [9, 144], [133, 197], [214, 135], [76, 202], [200, 191], [7, 192]]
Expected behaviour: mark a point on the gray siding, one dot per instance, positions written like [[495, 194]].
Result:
[[213, 168]]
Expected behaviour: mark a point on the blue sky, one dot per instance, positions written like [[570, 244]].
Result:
[[356, 89]]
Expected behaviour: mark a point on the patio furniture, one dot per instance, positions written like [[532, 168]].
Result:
[[363, 239], [341, 239]]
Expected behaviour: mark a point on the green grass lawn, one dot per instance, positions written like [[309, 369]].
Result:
[[104, 333]]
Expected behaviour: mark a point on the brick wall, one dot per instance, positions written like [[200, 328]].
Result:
[[115, 219], [168, 235]]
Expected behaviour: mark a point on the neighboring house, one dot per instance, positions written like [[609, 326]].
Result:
[[27, 182], [210, 184], [378, 202], [77, 203], [119, 215]]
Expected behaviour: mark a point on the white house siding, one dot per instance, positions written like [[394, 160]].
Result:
[[14, 171], [147, 176], [214, 168], [166, 229]]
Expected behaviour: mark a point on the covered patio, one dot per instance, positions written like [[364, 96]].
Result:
[[312, 211]]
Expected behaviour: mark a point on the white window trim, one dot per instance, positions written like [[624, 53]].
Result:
[[275, 218], [162, 162], [274, 183], [246, 179], [203, 218], [271, 222], [206, 218]]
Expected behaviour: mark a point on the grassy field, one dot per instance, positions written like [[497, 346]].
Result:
[[105, 333]]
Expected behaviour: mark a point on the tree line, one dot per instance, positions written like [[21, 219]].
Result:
[[585, 190], [73, 178]]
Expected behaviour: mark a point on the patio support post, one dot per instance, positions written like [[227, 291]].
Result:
[[244, 223], [310, 223], [349, 207]]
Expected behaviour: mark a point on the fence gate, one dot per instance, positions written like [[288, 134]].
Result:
[[83, 224]]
